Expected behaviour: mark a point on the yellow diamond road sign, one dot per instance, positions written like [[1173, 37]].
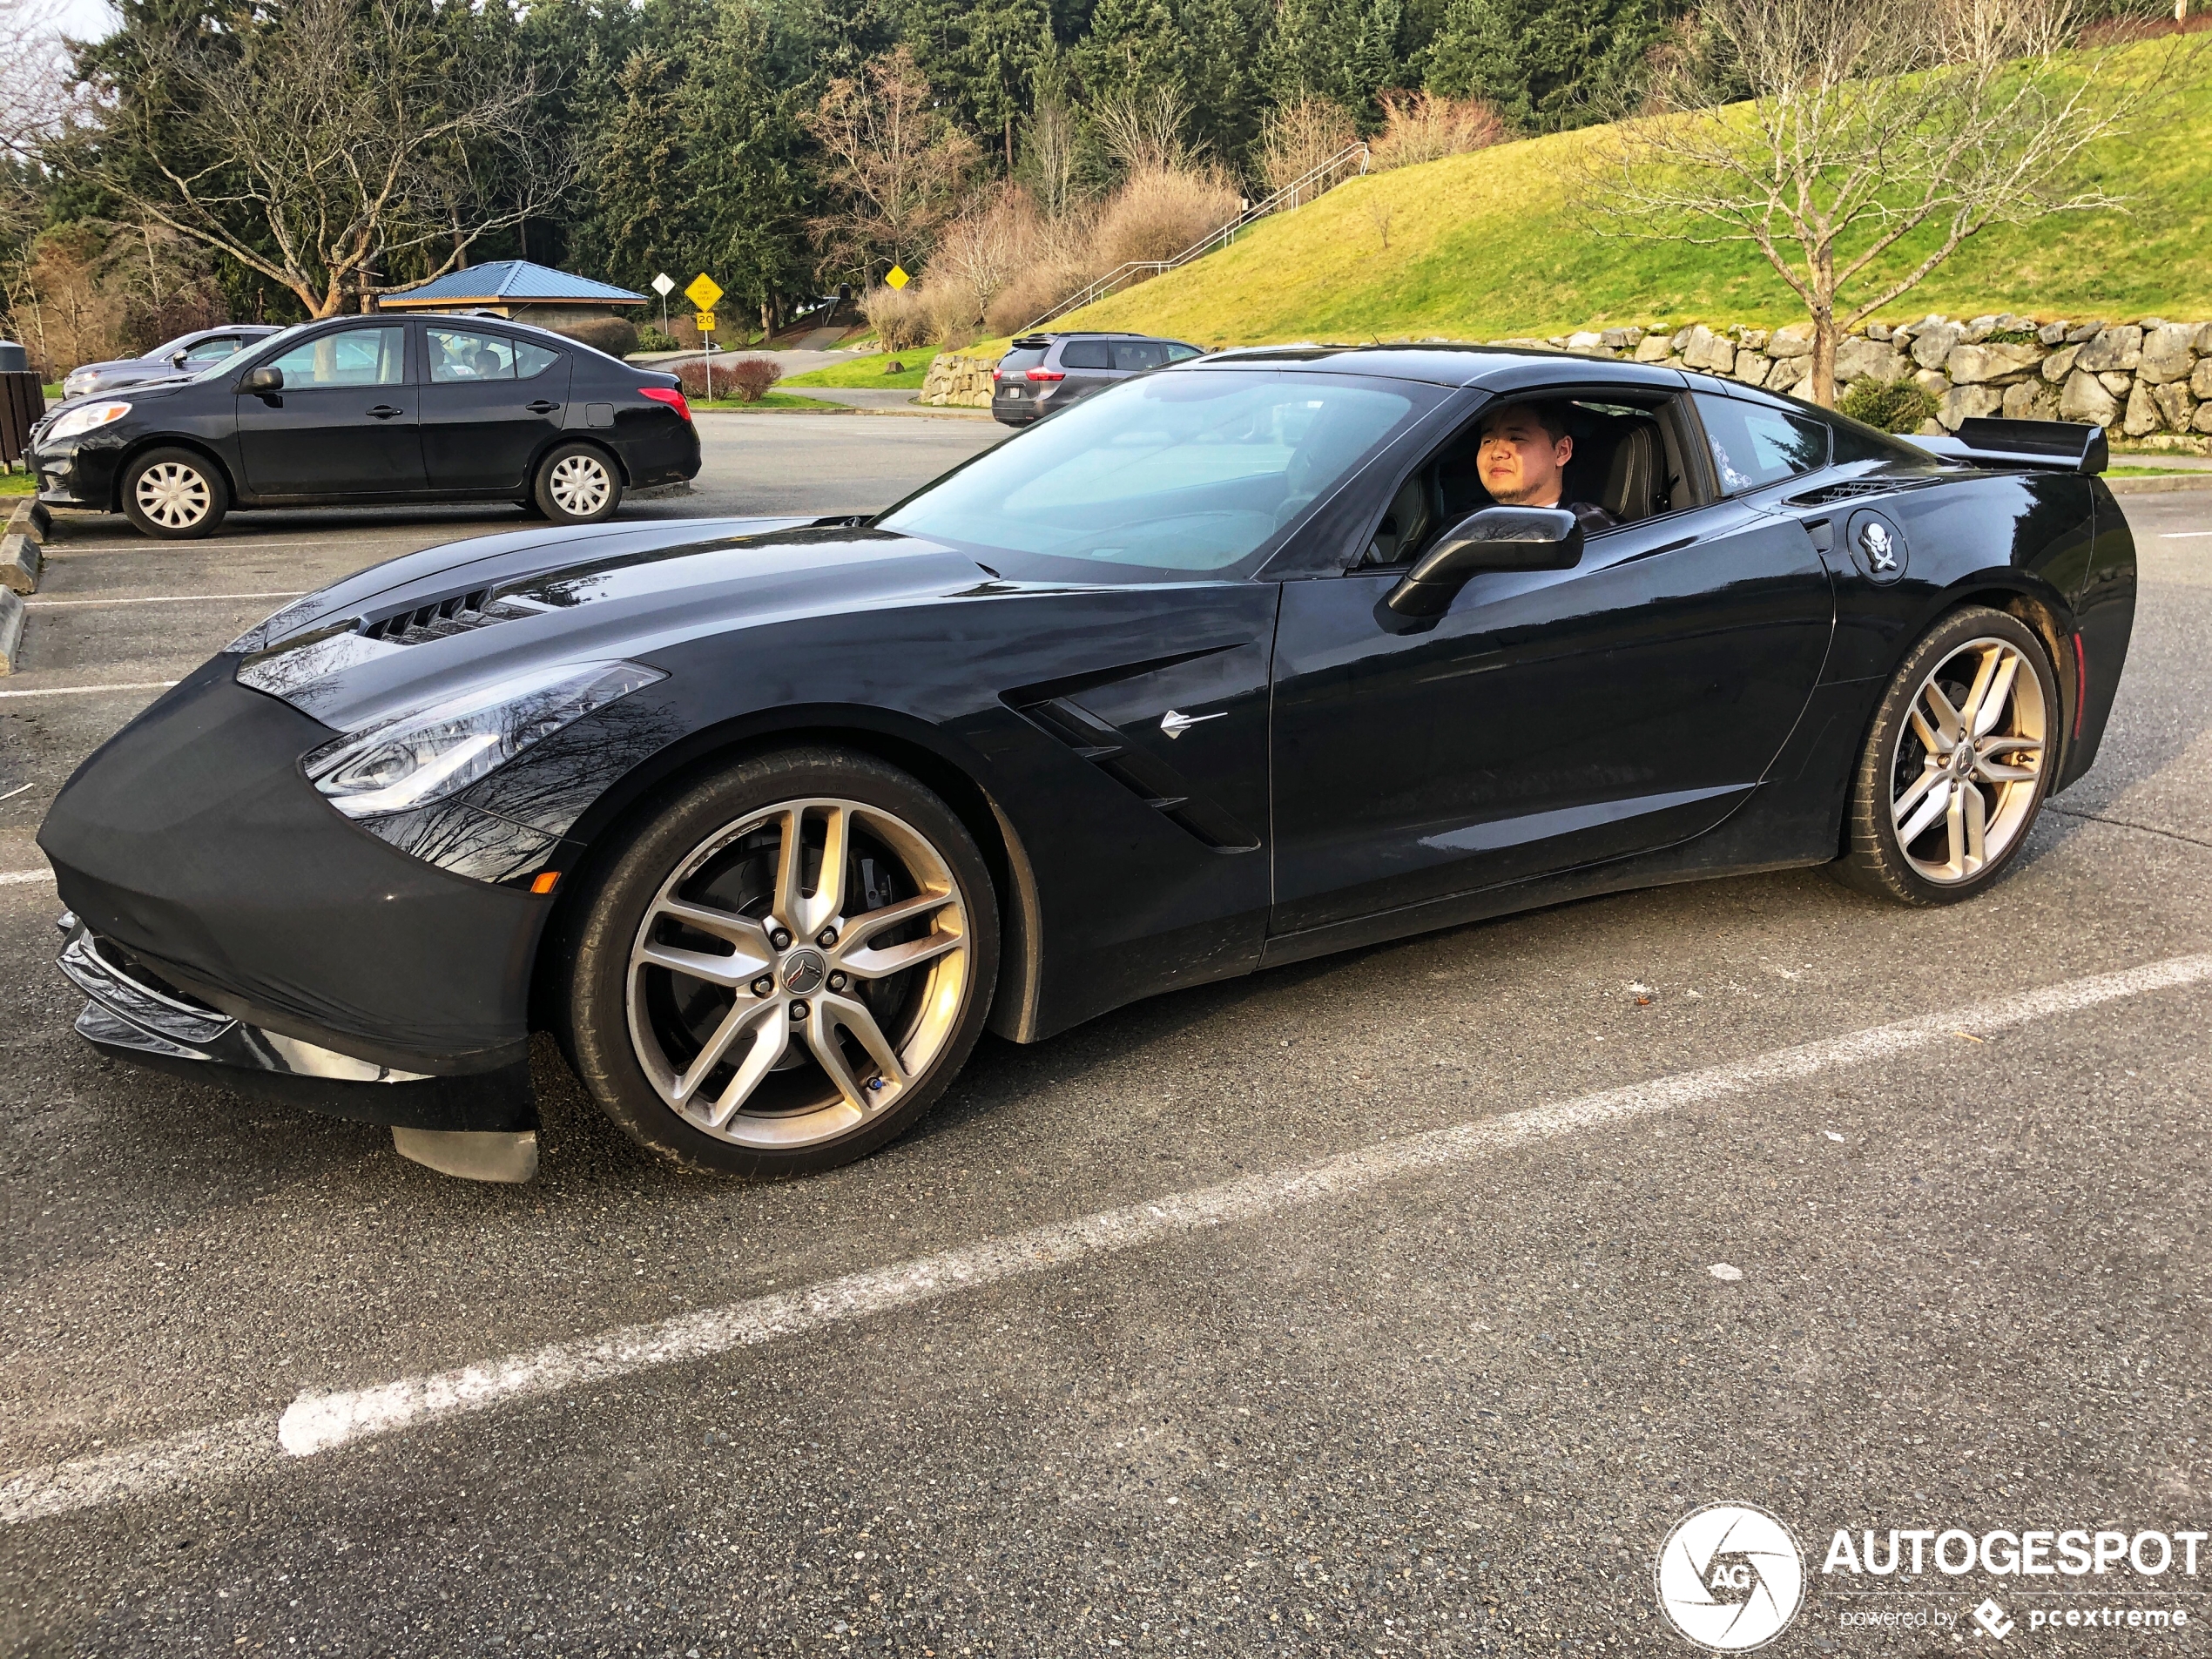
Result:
[[704, 292], [898, 277]]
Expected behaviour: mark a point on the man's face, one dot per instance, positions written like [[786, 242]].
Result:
[[1520, 462]]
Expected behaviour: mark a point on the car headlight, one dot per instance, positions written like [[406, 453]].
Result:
[[78, 421], [427, 753]]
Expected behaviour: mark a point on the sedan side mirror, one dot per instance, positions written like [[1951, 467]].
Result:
[[262, 379], [177, 359], [1496, 538]]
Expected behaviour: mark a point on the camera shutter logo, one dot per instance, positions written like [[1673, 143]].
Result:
[[1731, 1577]]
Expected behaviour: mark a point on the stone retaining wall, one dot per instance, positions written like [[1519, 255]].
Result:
[[2149, 381], [2143, 380], [958, 381]]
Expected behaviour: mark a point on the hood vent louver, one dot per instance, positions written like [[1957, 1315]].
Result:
[[461, 614]]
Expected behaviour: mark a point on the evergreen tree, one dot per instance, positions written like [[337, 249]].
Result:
[[1547, 65]]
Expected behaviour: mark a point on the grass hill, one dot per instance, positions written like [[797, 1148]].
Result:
[[1484, 246]]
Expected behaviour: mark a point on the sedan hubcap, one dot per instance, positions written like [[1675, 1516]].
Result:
[[579, 485], [173, 496], [800, 971], [1969, 761]]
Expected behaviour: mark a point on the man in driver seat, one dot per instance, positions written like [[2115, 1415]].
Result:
[[1523, 459]]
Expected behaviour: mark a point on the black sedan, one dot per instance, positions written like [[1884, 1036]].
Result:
[[1231, 665], [186, 356], [369, 410]]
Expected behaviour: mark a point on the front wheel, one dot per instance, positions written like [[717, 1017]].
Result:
[[785, 968], [175, 494], [577, 484], [1958, 763]]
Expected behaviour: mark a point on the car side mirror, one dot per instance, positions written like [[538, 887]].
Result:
[[262, 379], [1495, 539], [177, 359]]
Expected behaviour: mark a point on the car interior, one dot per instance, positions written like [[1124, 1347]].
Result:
[[1628, 459]]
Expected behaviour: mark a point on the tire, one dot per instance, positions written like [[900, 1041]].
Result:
[[577, 483], [701, 884], [1912, 827], [174, 495]]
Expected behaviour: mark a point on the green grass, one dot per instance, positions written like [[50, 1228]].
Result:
[[2151, 472], [867, 372], [17, 483], [1486, 246], [772, 400], [53, 394]]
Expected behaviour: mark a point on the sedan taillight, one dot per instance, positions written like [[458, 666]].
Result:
[[672, 395]]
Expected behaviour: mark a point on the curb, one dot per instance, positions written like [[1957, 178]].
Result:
[[12, 617], [21, 557], [2159, 486]]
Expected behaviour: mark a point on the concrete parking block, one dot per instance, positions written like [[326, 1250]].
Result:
[[12, 617], [21, 557]]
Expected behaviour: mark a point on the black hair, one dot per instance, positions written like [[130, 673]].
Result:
[[1548, 413]]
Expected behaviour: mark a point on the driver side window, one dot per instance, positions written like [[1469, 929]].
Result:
[[1627, 461]]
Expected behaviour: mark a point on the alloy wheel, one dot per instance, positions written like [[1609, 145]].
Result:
[[579, 485], [1969, 761], [799, 972], [173, 496]]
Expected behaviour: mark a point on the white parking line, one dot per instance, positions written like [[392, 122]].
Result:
[[319, 1423], [2182, 535], [84, 690], [22, 878], [162, 599]]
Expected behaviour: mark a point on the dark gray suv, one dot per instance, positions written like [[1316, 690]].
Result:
[[1047, 371]]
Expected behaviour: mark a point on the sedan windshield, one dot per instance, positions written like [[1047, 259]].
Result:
[[1189, 471]]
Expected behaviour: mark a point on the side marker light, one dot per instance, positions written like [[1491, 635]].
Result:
[[546, 882]]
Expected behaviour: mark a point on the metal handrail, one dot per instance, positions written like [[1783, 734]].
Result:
[[1291, 195]]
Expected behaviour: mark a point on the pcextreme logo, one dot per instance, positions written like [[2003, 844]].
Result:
[[1731, 1577]]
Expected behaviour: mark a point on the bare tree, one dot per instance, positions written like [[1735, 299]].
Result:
[[1145, 134], [1871, 122], [1048, 164], [34, 92], [895, 168], [1298, 137], [328, 142]]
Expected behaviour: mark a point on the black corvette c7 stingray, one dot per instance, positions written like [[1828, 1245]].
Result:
[[1233, 664]]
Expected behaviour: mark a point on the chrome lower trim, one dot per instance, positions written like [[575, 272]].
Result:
[[128, 1014]]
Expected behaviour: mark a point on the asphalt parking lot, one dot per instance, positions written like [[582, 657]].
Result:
[[1398, 1303]]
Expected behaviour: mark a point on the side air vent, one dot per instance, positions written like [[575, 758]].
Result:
[[459, 615], [1150, 779], [1852, 488]]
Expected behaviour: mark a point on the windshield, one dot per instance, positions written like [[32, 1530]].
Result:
[[1192, 471]]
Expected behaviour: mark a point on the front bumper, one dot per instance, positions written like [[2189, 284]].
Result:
[[133, 1015], [191, 845]]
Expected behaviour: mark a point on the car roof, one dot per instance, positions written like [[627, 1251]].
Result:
[[1500, 369]]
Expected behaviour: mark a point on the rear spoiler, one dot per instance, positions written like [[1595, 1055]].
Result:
[[2049, 445]]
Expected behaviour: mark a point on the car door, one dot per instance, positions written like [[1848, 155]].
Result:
[[1549, 719], [490, 403], [1086, 366], [343, 424]]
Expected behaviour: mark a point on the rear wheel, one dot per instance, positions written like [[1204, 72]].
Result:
[[1957, 766], [577, 484], [174, 493], [784, 968]]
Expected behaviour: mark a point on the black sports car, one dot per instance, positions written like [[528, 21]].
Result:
[[378, 408], [1231, 665]]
